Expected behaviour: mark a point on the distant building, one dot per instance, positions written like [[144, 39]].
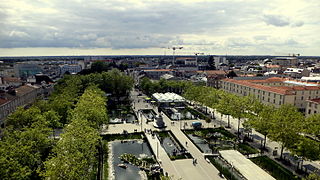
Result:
[[72, 69], [23, 95], [296, 72], [26, 70], [214, 78], [186, 61], [157, 73], [285, 61], [220, 62], [275, 91]]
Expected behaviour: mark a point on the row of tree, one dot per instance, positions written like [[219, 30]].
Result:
[[76, 155], [149, 87], [27, 142], [284, 124]]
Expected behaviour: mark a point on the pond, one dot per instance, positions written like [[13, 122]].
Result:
[[139, 148], [149, 114], [201, 143], [172, 146]]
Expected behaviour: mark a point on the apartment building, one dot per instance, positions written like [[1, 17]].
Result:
[[313, 106], [275, 91], [23, 95]]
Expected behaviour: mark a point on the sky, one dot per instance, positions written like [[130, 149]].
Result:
[[153, 27]]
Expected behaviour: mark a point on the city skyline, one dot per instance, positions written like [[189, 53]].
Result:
[[134, 27]]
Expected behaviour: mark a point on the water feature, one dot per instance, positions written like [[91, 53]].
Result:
[[149, 114], [201, 143], [135, 147], [171, 146]]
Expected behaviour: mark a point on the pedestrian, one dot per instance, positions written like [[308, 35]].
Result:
[[186, 143], [195, 161]]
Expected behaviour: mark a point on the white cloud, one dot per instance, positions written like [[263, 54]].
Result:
[[212, 26]]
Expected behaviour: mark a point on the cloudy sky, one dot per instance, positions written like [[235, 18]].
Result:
[[115, 27]]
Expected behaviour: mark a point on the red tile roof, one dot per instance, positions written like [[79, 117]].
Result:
[[211, 72], [261, 87], [151, 70]]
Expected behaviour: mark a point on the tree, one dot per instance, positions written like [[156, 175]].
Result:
[[116, 83], [286, 123], [74, 157], [306, 148], [262, 121], [23, 118], [92, 107], [312, 125], [22, 152], [224, 106], [239, 108]]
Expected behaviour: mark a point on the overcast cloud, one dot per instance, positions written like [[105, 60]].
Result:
[[121, 26]]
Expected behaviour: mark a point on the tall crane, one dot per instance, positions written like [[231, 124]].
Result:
[[173, 52], [197, 53]]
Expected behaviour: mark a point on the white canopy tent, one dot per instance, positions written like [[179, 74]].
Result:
[[168, 97]]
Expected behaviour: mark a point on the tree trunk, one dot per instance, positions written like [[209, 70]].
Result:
[[281, 152], [228, 121], [238, 128], [265, 140]]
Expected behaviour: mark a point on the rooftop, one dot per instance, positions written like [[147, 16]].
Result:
[[22, 90], [246, 167], [159, 70], [262, 87]]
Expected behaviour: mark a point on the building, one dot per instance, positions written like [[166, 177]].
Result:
[[26, 70], [313, 107], [285, 61], [157, 73], [275, 91], [22, 96], [214, 78], [186, 61], [220, 62], [296, 72], [71, 68]]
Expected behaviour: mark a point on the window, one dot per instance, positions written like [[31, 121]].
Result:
[[309, 112], [274, 95], [301, 97]]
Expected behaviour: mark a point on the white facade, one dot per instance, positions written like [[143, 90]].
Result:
[[72, 69], [219, 60]]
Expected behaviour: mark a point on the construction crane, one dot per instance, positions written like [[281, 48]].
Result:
[[173, 52], [197, 56]]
